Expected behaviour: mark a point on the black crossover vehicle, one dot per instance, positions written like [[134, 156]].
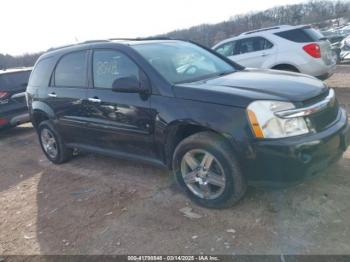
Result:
[[215, 124], [13, 107]]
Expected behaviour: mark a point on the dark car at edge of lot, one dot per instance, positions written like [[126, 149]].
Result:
[[13, 107], [217, 125]]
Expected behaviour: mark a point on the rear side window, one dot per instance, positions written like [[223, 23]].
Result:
[[301, 35], [14, 81], [253, 44], [110, 65], [71, 70], [41, 73]]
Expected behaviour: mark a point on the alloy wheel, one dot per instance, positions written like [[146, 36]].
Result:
[[49, 143], [203, 174]]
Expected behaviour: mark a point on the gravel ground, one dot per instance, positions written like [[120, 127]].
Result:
[[100, 205]]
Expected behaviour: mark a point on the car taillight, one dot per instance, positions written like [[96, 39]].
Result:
[[3, 94], [313, 49], [3, 122]]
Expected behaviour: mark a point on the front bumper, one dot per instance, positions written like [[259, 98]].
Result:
[[288, 161]]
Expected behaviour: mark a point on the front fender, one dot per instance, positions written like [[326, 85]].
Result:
[[227, 121]]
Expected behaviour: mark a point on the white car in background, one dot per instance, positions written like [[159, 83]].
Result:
[[345, 49], [291, 48]]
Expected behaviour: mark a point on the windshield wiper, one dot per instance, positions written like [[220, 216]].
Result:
[[205, 77], [226, 73]]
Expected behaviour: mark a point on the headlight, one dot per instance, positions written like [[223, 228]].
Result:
[[265, 124]]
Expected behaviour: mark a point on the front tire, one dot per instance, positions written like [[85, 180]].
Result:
[[206, 169], [52, 144]]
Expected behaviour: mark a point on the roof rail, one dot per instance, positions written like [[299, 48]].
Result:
[[94, 41], [108, 40], [142, 38], [264, 29], [59, 47], [80, 43]]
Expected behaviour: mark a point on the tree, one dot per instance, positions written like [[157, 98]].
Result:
[[319, 13]]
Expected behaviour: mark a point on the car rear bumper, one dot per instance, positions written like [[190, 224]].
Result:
[[289, 161], [13, 116], [318, 69], [325, 76]]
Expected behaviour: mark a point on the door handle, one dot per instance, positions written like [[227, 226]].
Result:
[[53, 94], [94, 100], [264, 54]]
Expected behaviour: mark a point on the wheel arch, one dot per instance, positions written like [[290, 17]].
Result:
[[38, 116], [40, 112], [282, 66], [178, 131]]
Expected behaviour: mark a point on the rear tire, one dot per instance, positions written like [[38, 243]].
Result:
[[219, 184], [52, 144]]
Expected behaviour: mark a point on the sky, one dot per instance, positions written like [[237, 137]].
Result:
[[29, 26]]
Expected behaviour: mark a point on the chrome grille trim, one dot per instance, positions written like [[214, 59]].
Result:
[[329, 100]]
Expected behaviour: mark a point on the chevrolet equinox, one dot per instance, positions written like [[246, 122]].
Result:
[[217, 125]]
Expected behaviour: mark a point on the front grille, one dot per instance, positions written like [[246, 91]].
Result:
[[316, 99], [326, 117]]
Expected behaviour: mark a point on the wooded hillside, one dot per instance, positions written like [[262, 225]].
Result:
[[314, 12], [317, 12], [8, 61]]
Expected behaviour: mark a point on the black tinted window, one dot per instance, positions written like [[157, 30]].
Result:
[[71, 70], [253, 44], [301, 35], [41, 73], [109, 65], [14, 81]]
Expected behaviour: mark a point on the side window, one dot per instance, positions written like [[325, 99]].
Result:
[[254, 44], [300, 35], [227, 49], [71, 70], [267, 44], [41, 73], [110, 65]]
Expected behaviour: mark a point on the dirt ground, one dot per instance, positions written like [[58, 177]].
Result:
[[100, 205]]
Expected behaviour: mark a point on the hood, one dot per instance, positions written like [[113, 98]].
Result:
[[242, 87]]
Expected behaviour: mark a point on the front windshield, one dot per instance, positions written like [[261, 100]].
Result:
[[181, 62]]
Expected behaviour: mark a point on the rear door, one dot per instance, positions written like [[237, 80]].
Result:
[[67, 95], [119, 122], [253, 51]]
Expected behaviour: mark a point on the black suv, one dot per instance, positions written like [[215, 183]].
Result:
[[13, 107], [215, 124]]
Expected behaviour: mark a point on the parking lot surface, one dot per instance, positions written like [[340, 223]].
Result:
[[100, 205]]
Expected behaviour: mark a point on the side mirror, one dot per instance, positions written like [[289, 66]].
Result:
[[128, 85]]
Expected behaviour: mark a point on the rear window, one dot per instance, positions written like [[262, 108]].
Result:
[[14, 81], [301, 35]]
